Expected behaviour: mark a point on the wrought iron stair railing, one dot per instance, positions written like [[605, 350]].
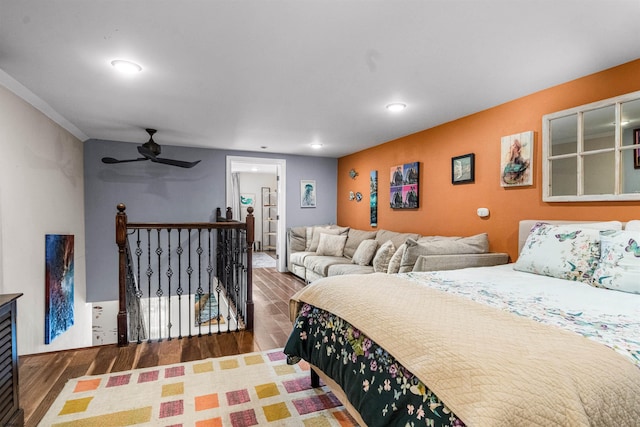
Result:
[[183, 279]]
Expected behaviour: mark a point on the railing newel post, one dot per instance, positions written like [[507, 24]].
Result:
[[121, 240]]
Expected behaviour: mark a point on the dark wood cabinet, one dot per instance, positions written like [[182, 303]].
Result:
[[10, 412]]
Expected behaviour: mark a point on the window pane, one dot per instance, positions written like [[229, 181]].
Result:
[[599, 128], [630, 120], [630, 174], [563, 177], [564, 135], [599, 173]]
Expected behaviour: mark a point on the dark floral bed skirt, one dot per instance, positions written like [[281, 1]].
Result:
[[383, 391]]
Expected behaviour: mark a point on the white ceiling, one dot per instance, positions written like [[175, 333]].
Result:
[[248, 74]]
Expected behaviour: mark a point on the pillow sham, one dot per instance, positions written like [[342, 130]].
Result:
[[364, 254], [383, 256], [396, 259], [568, 252], [633, 225], [331, 245], [619, 266]]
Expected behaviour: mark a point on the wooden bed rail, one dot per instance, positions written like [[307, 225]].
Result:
[[184, 276]]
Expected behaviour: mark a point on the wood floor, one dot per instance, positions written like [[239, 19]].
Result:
[[42, 376]]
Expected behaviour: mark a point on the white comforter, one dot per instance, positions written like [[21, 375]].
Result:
[[606, 316]]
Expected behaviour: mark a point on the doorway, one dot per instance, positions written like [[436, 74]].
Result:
[[259, 165]]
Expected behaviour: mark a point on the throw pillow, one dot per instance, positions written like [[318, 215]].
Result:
[[317, 231], [619, 266], [354, 240], [364, 253], [383, 256], [309, 235], [396, 259], [331, 245], [568, 252]]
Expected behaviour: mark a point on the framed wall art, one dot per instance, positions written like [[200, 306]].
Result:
[[516, 164], [373, 198], [462, 169], [307, 193], [404, 186], [636, 151]]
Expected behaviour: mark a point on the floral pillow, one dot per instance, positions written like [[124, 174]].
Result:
[[619, 266], [568, 252]]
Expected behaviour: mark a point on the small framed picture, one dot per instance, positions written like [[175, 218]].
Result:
[[307, 193], [462, 169], [636, 151]]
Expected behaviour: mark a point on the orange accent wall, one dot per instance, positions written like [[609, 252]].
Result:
[[447, 209]]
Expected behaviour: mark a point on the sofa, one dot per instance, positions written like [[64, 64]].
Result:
[[319, 251]]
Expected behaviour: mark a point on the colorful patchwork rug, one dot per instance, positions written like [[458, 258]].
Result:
[[244, 390]]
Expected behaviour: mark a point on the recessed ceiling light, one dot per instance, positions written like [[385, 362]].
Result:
[[127, 67], [396, 106], [316, 146]]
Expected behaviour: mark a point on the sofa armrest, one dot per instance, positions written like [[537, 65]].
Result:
[[458, 261]]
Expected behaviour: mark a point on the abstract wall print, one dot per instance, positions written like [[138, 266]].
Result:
[[404, 186], [307, 193], [59, 313], [462, 169], [516, 165], [373, 198], [636, 151]]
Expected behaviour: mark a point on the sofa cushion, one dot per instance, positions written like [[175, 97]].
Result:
[[297, 239], [477, 244], [340, 269], [396, 259], [354, 238], [317, 231], [330, 245], [397, 238], [298, 257], [365, 252], [320, 264], [383, 256], [309, 235]]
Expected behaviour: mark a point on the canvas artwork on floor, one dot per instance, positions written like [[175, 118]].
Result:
[[59, 314]]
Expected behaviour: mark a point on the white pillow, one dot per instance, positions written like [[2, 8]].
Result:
[[365, 252], [619, 266], [396, 259], [568, 251], [331, 245], [633, 225], [317, 232], [383, 256]]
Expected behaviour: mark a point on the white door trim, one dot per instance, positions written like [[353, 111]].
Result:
[[281, 170]]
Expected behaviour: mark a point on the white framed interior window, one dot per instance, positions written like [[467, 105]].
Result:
[[592, 152]]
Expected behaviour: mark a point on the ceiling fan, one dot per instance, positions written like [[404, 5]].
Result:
[[150, 151]]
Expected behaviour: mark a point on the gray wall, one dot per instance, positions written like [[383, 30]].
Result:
[[160, 193]]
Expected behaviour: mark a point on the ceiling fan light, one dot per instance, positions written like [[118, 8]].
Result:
[[126, 67], [396, 107]]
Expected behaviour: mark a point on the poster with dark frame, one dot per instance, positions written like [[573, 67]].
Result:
[[636, 151], [463, 169], [404, 186]]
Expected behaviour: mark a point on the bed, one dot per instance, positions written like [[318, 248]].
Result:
[[553, 339]]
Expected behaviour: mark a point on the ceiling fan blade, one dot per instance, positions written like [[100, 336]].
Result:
[[111, 160], [172, 162]]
